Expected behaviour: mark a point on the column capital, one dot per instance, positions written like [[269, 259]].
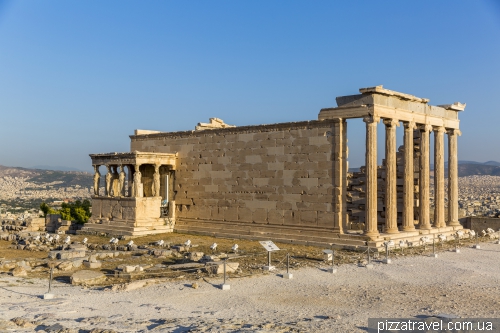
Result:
[[391, 122], [439, 129], [338, 120], [425, 127], [454, 131], [409, 125], [371, 119]]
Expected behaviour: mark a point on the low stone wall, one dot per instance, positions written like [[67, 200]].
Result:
[[54, 224], [126, 209], [482, 223]]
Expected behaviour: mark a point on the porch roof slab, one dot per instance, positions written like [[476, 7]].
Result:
[[135, 158]]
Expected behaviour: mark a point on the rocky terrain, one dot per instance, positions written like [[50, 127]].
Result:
[[462, 284]]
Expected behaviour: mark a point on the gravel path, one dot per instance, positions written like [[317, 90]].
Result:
[[465, 284]]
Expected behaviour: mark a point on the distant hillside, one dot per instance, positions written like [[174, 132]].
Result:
[[478, 169], [38, 176], [468, 168], [55, 168]]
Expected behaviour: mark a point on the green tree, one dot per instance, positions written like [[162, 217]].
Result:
[[81, 215], [66, 213], [44, 208]]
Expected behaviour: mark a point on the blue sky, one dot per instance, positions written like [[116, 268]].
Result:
[[77, 77]]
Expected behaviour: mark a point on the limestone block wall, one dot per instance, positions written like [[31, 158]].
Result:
[[478, 223], [126, 209], [278, 174]]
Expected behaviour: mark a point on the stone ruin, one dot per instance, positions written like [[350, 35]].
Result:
[[289, 181]]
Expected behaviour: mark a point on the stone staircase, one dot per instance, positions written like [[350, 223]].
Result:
[[278, 233]]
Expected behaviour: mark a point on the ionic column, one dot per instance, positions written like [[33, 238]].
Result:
[[424, 202], [371, 176], [108, 179], [391, 196], [439, 220], [408, 183], [339, 177], [453, 177]]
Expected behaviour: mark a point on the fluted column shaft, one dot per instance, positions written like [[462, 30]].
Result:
[[391, 196], [439, 219], [424, 215], [453, 177], [371, 176], [408, 182]]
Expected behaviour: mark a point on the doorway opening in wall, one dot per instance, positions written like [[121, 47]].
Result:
[[166, 190], [355, 182]]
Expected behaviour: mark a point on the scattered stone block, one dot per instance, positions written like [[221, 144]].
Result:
[[77, 263], [218, 267], [161, 253], [132, 285], [92, 264], [65, 266], [188, 266], [195, 256], [69, 254], [19, 271], [87, 277], [22, 322]]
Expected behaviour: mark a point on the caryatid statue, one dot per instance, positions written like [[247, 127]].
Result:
[[108, 180], [137, 182], [121, 181], [156, 181], [97, 178], [115, 186]]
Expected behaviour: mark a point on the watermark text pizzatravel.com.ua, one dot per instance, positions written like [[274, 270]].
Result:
[[382, 325]]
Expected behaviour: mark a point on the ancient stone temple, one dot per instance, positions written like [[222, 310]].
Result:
[[289, 181]]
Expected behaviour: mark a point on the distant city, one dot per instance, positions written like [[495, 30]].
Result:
[[22, 190]]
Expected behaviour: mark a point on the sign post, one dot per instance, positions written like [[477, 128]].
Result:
[[270, 247], [330, 255]]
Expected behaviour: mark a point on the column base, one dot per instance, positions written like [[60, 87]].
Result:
[[392, 231], [409, 229], [454, 224], [372, 234], [425, 227], [338, 230]]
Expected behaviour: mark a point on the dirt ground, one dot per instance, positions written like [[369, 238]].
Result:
[[251, 256], [416, 285]]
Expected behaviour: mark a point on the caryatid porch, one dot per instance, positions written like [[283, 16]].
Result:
[[373, 105], [138, 193]]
